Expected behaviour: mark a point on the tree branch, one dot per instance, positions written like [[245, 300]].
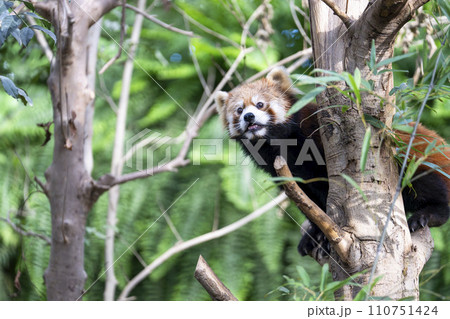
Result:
[[339, 239], [297, 22], [44, 8], [41, 40], [197, 241], [117, 163], [160, 23], [387, 17], [212, 284], [300, 54], [122, 36], [23, 232], [96, 10], [341, 14]]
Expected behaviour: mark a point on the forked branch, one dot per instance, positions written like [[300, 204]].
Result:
[[337, 11], [339, 239]]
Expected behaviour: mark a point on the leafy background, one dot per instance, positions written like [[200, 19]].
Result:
[[251, 261]]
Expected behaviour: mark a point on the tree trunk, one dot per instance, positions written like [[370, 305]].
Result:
[[339, 48], [69, 185]]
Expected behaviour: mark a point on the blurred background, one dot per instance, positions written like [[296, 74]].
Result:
[[258, 261]]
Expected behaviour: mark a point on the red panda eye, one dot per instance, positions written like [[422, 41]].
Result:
[[239, 110], [260, 105]]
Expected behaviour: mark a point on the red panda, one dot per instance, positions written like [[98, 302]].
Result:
[[255, 114]]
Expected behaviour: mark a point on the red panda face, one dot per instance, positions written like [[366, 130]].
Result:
[[250, 110]]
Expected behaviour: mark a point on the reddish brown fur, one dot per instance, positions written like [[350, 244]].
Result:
[[425, 137]]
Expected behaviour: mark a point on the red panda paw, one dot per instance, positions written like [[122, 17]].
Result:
[[417, 221]]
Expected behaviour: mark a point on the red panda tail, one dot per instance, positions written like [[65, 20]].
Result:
[[439, 156]]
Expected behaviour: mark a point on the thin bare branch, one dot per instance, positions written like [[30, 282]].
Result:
[[117, 164], [307, 53], [246, 28], [337, 11], [206, 89], [106, 95], [197, 241], [41, 40], [161, 23], [338, 238], [169, 222], [297, 22], [122, 36], [26, 233], [41, 185], [212, 284]]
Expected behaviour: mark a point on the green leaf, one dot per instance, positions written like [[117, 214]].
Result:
[[16, 35], [355, 185], [394, 59], [373, 56], [304, 276], [302, 79], [393, 71], [365, 290], [403, 128], [411, 170], [374, 121], [323, 277], [340, 76], [48, 32], [9, 24], [29, 5], [358, 77], [365, 149], [430, 147], [283, 289], [368, 85], [23, 96], [351, 81], [34, 15], [308, 97], [26, 34], [9, 86]]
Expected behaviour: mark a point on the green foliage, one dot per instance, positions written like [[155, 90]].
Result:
[[10, 25], [302, 287], [250, 261]]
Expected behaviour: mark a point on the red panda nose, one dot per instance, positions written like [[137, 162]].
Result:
[[249, 117]]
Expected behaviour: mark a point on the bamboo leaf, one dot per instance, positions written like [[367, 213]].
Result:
[[323, 277], [304, 276], [394, 59], [355, 185], [307, 98], [365, 149]]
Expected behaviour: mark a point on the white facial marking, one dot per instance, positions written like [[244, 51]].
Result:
[[255, 99], [231, 128], [280, 112]]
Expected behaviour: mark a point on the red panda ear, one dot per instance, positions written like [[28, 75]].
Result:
[[280, 76], [221, 99]]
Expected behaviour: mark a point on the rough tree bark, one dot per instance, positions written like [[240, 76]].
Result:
[[342, 42], [69, 186]]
